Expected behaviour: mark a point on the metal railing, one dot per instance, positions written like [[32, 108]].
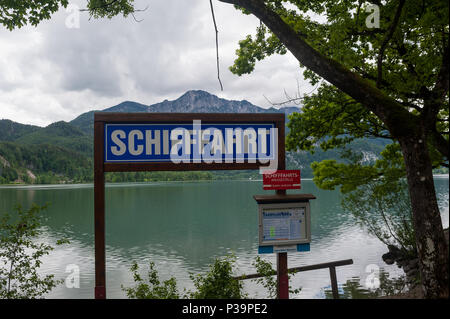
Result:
[[331, 265]]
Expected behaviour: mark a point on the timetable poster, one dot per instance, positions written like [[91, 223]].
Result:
[[283, 224]]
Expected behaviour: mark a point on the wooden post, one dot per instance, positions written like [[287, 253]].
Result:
[[282, 260], [99, 212], [334, 287], [282, 265]]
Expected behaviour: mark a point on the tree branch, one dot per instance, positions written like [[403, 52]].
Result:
[[386, 40], [217, 44], [296, 100]]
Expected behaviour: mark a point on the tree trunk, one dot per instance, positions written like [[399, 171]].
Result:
[[430, 240]]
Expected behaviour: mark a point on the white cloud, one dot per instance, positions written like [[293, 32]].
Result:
[[52, 73]]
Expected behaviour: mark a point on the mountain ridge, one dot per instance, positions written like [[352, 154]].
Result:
[[192, 101]]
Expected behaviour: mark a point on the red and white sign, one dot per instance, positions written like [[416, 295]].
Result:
[[282, 179]]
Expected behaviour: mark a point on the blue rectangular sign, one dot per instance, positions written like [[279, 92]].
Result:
[[190, 143], [272, 249]]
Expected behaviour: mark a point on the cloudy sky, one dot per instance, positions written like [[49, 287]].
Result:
[[58, 70]]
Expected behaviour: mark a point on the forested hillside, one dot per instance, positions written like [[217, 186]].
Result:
[[63, 152]]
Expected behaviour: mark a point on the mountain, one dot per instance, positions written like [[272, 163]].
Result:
[[85, 121], [62, 151], [60, 133], [194, 101], [197, 101], [10, 131]]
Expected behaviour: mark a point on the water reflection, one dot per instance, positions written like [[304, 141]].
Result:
[[182, 226]]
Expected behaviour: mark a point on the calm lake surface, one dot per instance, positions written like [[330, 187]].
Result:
[[183, 226]]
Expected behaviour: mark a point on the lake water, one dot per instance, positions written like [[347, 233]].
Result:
[[183, 226]]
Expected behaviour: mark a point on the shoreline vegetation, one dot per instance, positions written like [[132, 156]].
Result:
[[189, 176], [139, 177]]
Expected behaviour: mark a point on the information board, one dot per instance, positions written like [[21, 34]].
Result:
[[284, 224]]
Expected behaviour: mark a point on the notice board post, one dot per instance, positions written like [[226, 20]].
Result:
[[282, 258], [282, 276], [125, 142]]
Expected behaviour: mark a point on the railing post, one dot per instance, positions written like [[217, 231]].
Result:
[[280, 269], [334, 286]]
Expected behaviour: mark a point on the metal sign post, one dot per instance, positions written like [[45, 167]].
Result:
[[126, 142]]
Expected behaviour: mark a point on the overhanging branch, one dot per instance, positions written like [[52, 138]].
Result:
[[217, 44]]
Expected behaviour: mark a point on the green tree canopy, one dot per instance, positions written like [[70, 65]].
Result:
[[16, 14]]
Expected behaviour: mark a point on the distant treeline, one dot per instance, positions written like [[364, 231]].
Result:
[[50, 164], [63, 153], [42, 164], [118, 177]]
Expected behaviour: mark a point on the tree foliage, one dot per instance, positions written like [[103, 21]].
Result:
[[16, 14], [20, 256], [48, 163], [267, 279], [376, 195], [389, 168], [152, 288], [110, 8], [384, 209], [218, 283]]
